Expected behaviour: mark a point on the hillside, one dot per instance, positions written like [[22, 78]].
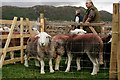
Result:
[[51, 13]]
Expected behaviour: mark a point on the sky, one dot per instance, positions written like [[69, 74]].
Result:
[[100, 4]]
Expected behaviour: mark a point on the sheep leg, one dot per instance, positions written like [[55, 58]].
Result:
[[98, 68], [26, 60], [37, 63], [69, 62], [66, 60], [78, 63], [50, 65], [12, 55], [95, 64], [42, 66], [57, 62]]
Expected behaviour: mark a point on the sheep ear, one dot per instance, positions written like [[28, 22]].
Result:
[[85, 31], [49, 36], [37, 36]]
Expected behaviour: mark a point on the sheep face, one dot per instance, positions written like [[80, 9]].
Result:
[[6, 29], [35, 30], [43, 39]]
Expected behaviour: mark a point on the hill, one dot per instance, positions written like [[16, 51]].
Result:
[[65, 13]]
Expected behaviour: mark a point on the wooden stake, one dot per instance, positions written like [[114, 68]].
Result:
[[8, 41], [42, 22], [21, 39], [93, 30], [118, 47], [115, 27], [39, 27]]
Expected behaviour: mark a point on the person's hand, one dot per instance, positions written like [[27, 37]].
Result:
[[81, 22], [86, 22]]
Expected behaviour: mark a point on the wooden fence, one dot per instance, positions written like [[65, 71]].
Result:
[[67, 25], [115, 46], [21, 36], [115, 53]]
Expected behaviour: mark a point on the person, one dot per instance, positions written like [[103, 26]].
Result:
[[92, 16], [78, 18]]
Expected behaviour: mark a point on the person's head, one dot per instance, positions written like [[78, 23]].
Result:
[[77, 11], [89, 3]]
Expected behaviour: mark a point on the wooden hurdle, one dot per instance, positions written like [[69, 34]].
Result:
[[21, 36], [74, 23], [115, 46]]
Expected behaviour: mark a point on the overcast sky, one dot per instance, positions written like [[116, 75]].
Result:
[[100, 4]]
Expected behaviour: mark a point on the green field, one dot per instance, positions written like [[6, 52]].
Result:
[[18, 70]]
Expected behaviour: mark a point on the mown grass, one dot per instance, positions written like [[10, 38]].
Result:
[[18, 70]]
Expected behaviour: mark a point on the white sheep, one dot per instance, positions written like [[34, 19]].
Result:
[[6, 29], [35, 31], [78, 31], [40, 47]]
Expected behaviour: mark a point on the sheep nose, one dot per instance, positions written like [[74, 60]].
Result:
[[42, 44]]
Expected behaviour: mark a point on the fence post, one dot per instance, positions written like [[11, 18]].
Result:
[[7, 42], [39, 27], [29, 26], [114, 45], [93, 30], [21, 38], [118, 47], [42, 22]]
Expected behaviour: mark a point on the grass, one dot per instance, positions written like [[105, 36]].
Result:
[[18, 70]]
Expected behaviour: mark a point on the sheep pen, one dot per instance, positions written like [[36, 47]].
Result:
[[107, 70], [35, 71]]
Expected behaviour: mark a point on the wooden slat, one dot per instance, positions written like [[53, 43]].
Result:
[[18, 22], [73, 23], [13, 48], [48, 30], [8, 41], [93, 30], [21, 38], [14, 36], [11, 61], [15, 60]]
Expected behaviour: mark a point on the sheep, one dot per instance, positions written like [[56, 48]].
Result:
[[35, 30], [1, 29], [60, 43], [14, 41], [90, 44], [107, 48], [40, 47], [6, 29], [78, 31]]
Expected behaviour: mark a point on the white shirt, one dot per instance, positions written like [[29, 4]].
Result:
[[77, 19]]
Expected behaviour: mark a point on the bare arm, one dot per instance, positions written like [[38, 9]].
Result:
[[88, 20], [90, 16]]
